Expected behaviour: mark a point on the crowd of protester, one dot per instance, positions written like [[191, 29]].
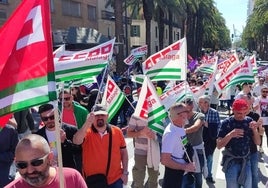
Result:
[[97, 149]]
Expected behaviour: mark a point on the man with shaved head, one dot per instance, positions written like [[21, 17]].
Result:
[[33, 160]]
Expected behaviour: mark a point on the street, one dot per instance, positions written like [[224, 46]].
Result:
[[218, 175]]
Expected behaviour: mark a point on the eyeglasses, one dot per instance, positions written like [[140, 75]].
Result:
[[47, 118], [65, 98], [264, 91], [34, 162]]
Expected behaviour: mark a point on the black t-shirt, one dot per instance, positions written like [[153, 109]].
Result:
[[237, 146]]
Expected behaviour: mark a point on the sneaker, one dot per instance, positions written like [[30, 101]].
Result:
[[210, 180], [261, 150]]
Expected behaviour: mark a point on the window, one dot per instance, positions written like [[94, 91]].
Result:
[[4, 1], [135, 31], [156, 33], [3, 14], [71, 8], [91, 13]]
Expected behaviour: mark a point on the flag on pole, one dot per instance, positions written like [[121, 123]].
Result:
[[135, 54], [241, 72], [26, 72], [208, 66], [168, 64], [73, 65], [175, 94], [149, 107], [113, 97]]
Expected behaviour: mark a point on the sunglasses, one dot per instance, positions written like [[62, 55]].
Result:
[[47, 118], [34, 162], [264, 91], [65, 98]]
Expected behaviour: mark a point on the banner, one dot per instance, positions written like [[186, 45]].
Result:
[[73, 65], [113, 98], [240, 72], [208, 66], [168, 64], [149, 107], [26, 58]]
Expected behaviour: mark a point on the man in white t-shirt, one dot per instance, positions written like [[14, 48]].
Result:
[[263, 108], [172, 152]]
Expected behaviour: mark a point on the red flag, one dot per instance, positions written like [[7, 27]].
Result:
[[26, 59], [4, 119]]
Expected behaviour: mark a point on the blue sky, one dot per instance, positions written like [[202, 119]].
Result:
[[234, 12]]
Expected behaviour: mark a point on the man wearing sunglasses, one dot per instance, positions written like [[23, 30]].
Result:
[[69, 150], [33, 160], [73, 113]]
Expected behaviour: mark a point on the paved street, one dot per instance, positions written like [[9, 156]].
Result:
[[217, 172]]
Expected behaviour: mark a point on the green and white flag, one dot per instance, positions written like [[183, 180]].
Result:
[[73, 65], [241, 72], [244, 74], [113, 97], [149, 107], [168, 64], [208, 66]]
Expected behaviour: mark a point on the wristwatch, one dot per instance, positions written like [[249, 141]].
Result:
[[126, 173]]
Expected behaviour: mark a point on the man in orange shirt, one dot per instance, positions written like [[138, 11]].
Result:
[[94, 137]]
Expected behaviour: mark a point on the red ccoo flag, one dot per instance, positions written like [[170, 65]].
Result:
[[26, 59]]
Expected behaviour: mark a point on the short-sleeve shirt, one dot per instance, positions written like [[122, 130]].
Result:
[[237, 146], [95, 153], [72, 178], [172, 142], [141, 144], [196, 137]]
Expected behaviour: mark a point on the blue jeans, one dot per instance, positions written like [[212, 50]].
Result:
[[232, 174], [209, 165], [254, 169], [198, 176], [117, 184]]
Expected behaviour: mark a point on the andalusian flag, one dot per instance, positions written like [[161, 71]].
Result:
[[168, 64], [26, 58], [244, 73], [113, 97], [73, 65], [208, 66], [149, 107]]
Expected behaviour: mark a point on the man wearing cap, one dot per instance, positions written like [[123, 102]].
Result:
[[172, 153], [236, 136], [94, 137], [210, 131]]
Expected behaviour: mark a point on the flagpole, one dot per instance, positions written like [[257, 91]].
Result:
[[58, 144], [102, 80]]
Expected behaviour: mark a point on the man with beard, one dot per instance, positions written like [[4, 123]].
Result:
[[95, 138], [73, 113], [33, 160], [69, 150]]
